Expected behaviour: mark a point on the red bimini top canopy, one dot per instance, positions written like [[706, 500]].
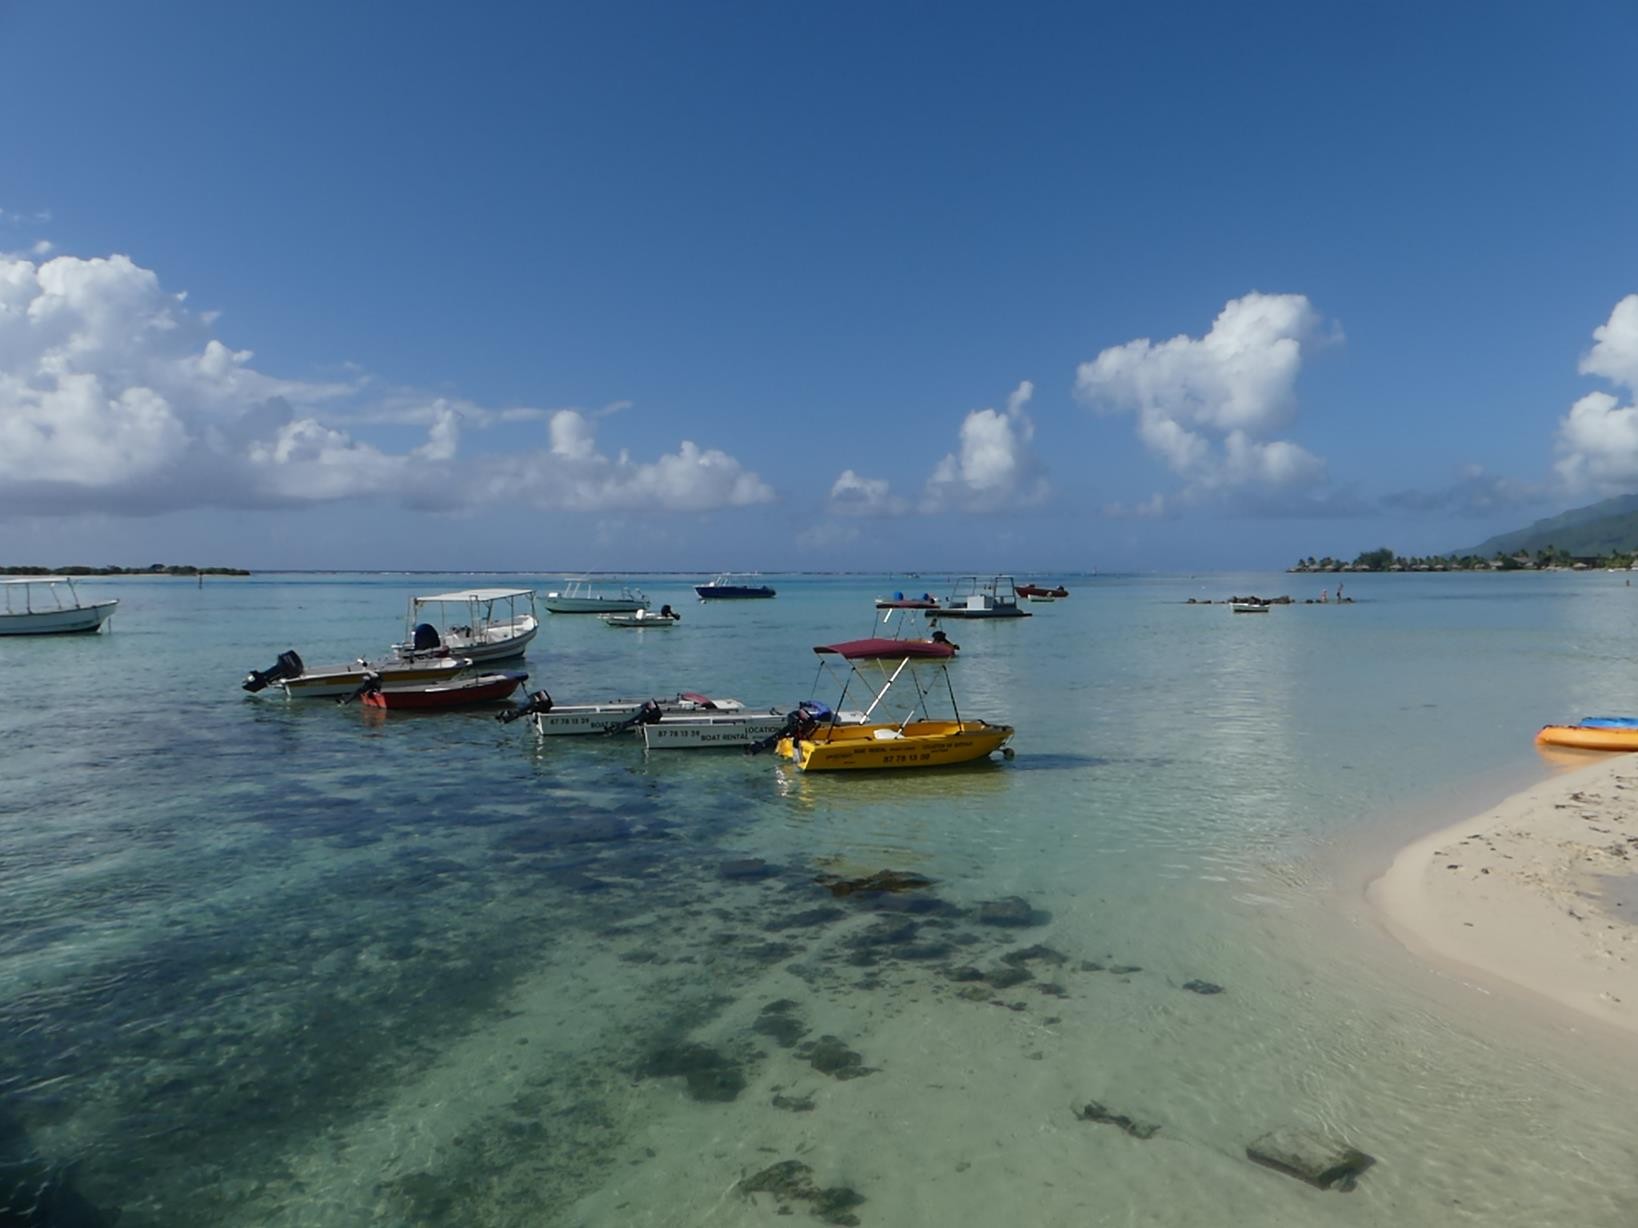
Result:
[[898, 650]]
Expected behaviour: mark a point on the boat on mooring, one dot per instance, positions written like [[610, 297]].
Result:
[[34, 605], [375, 692], [975, 597], [835, 745], [293, 676], [729, 586], [552, 719], [483, 624], [581, 595], [659, 619], [898, 601], [1036, 592]]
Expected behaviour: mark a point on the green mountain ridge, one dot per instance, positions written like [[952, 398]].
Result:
[[1604, 528]]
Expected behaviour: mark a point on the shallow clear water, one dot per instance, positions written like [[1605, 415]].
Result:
[[276, 963]]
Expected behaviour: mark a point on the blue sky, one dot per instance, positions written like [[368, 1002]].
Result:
[[493, 267]]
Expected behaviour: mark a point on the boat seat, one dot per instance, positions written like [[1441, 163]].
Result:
[[886, 735]]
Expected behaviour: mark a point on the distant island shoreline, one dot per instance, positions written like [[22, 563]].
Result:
[[1547, 559], [156, 569]]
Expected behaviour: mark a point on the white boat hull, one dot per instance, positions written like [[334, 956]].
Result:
[[500, 642], [640, 619], [70, 621], [567, 720], [692, 731], [333, 682]]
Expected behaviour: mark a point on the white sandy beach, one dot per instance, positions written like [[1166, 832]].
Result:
[[1534, 892]]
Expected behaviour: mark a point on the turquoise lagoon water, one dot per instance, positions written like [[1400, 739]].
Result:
[[289, 964]]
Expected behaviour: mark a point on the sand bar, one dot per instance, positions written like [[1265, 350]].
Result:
[[1535, 892]]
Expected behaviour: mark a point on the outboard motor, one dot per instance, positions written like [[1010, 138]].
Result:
[[425, 638], [540, 701], [371, 683], [287, 666], [799, 723], [667, 612], [938, 637], [648, 714]]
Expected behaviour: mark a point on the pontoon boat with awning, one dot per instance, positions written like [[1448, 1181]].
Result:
[[907, 743], [483, 624], [34, 605]]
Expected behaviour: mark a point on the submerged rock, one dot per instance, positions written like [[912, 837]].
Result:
[[1006, 978], [828, 1055], [545, 836], [746, 870], [881, 880], [1013, 910], [1205, 987], [792, 1181], [1321, 1161], [709, 1074], [1038, 952], [964, 973], [887, 931], [778, 1020], [806, 919], [1100, 1113], [793, 1104]]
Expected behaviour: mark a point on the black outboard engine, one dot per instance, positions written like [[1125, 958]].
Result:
[[648, 714], [938, 637], [287, 666], [540, 701], [799, 724], [667, 612], [371, 682], [425, 638]]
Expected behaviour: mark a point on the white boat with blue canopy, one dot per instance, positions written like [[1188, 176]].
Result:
[[34, 605], [480, 624]]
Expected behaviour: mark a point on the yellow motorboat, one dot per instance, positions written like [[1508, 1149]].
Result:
[[833, 745], [840, 748], [1589, 737]]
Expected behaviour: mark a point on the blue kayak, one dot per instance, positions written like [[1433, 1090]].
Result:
[[1609, 722]]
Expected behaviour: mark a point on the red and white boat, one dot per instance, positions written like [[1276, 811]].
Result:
[[459, 693], [1036, 590]]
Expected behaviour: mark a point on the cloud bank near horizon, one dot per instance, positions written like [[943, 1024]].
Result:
[[115, 397]]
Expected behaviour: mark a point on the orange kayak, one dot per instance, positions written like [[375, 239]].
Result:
[[1588, 737]]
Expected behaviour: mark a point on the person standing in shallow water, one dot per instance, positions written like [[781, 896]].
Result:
[[1339, 590]]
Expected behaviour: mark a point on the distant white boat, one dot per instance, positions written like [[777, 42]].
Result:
[[34, 605], [494, 629], [580, 595], [974, 597], [665, 617]]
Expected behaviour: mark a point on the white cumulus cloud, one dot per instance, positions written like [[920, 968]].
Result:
[[852, 494], [994, 464], [1205, 405], [1598, 437], [114, 396]]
